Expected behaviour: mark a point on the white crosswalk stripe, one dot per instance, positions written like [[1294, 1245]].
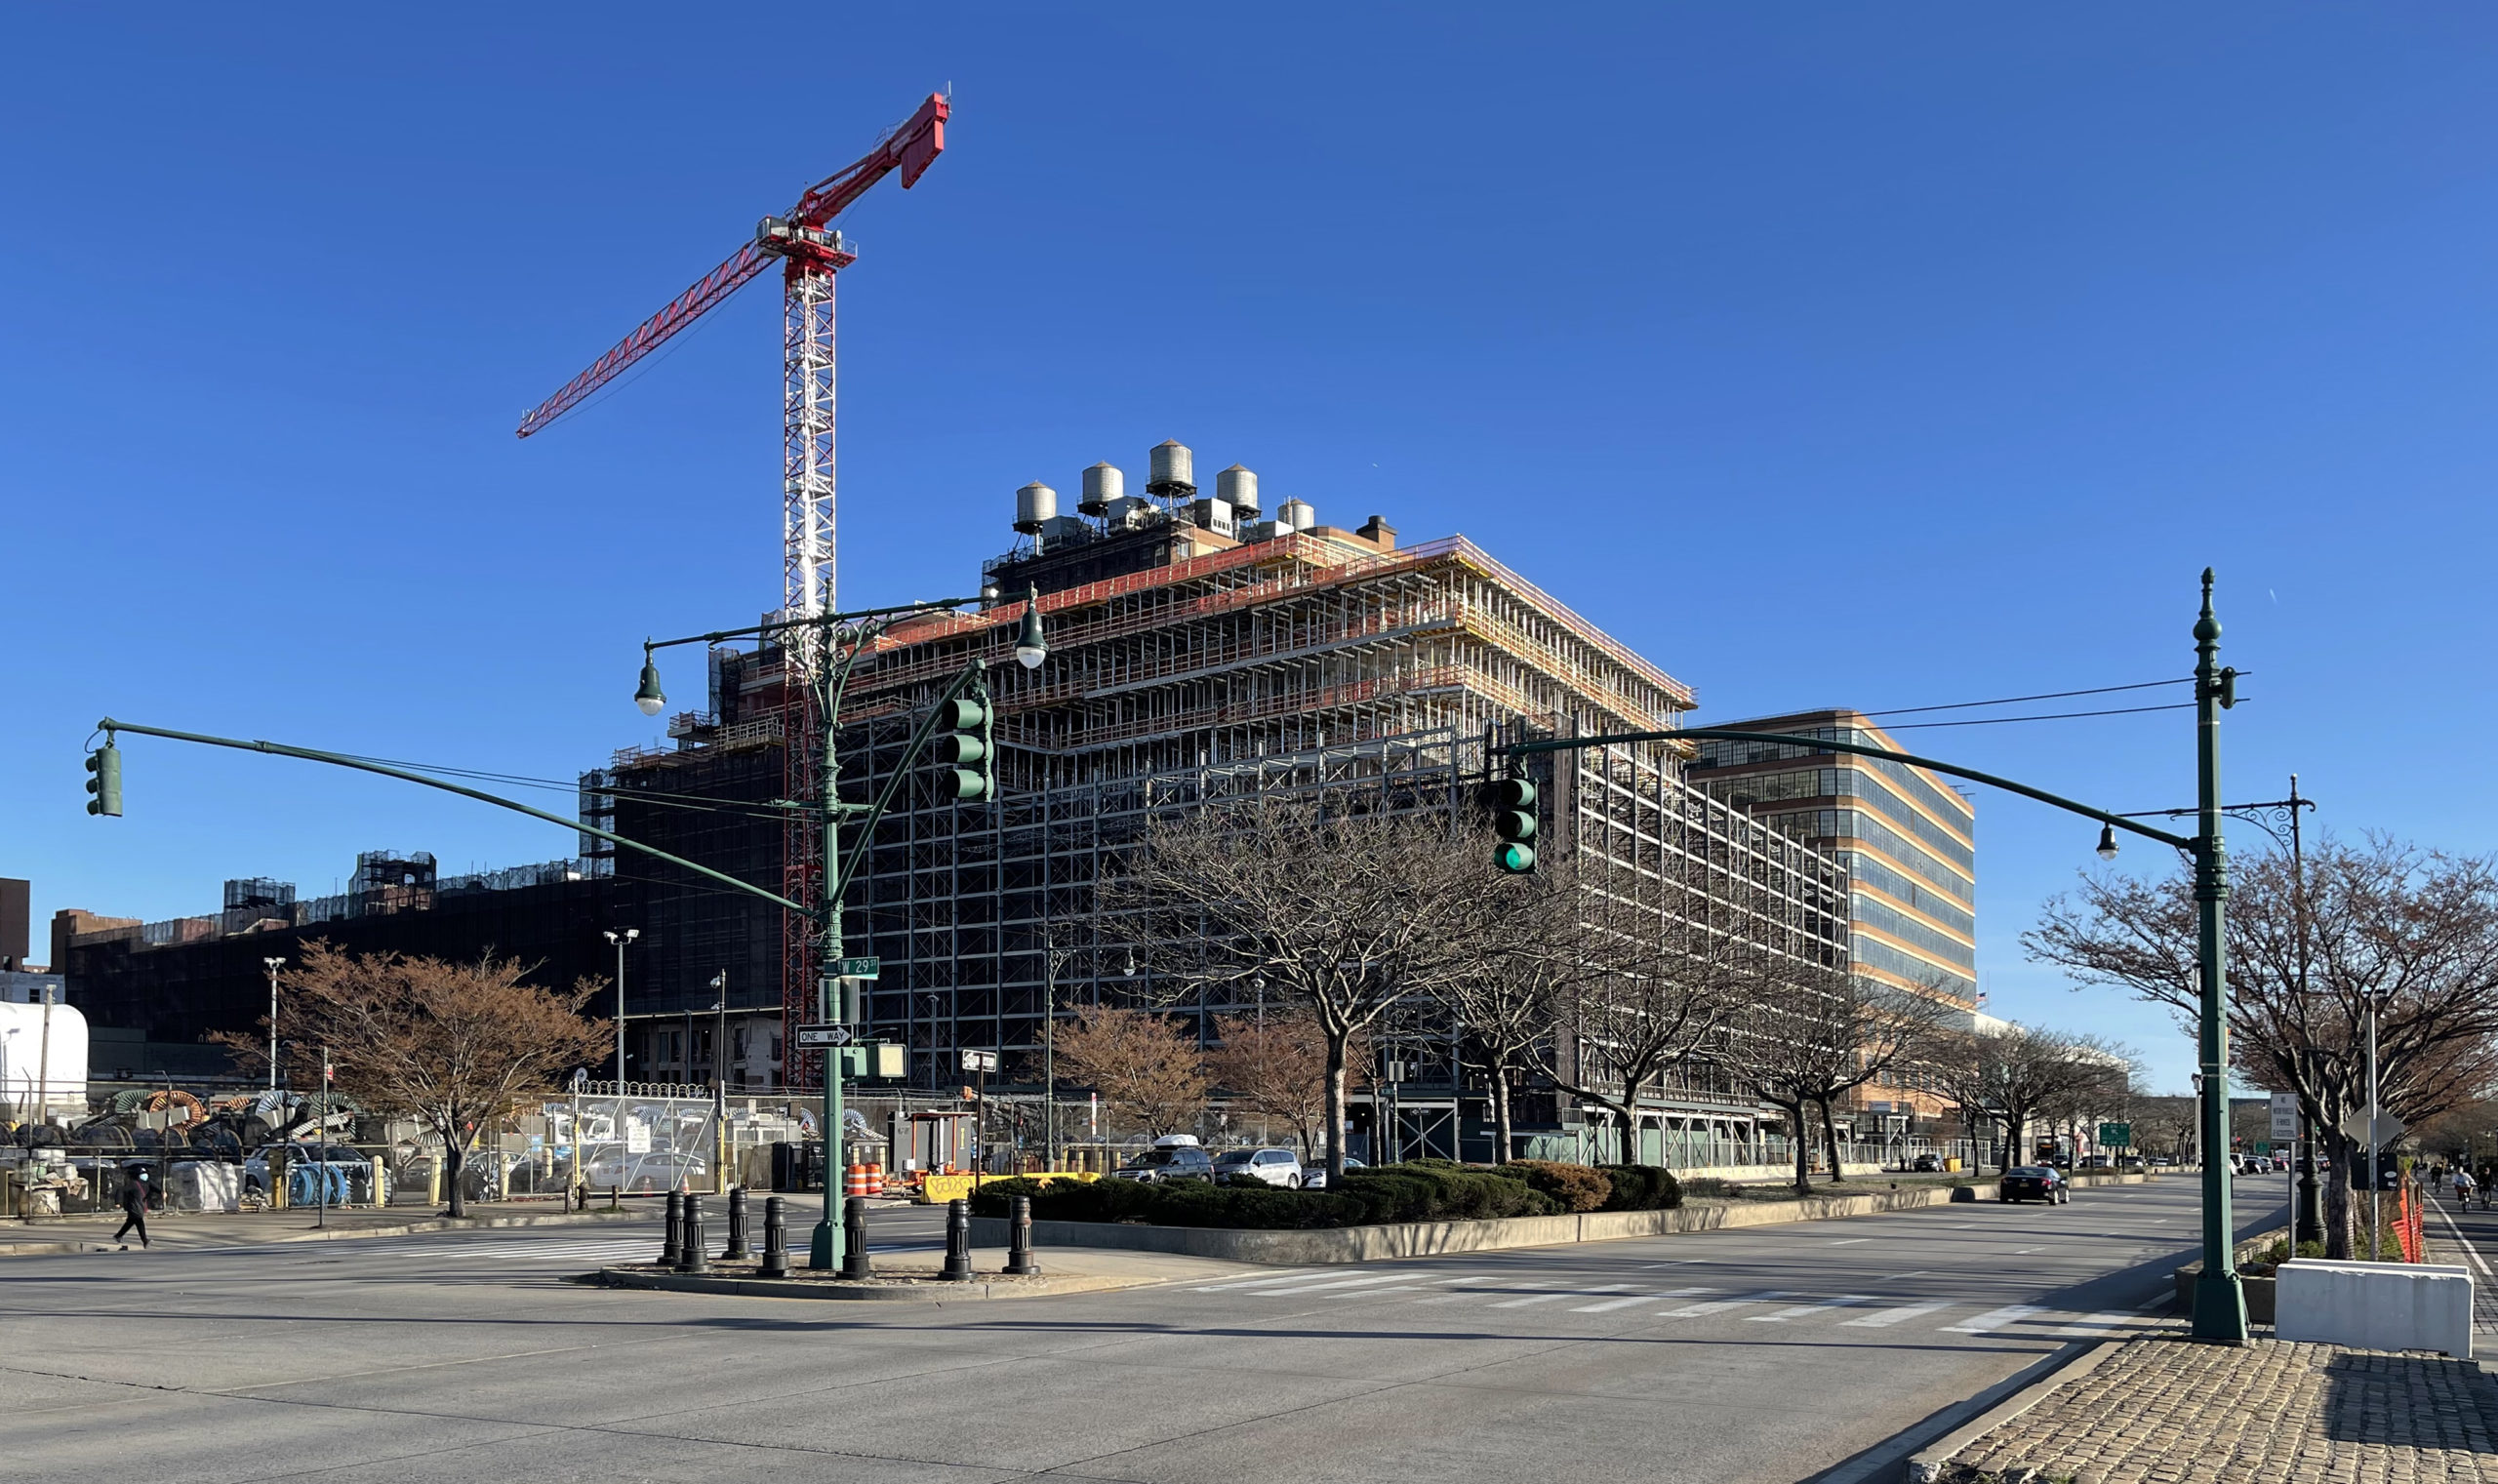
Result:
[[1884, 1318], [1614, 1303], [1721, 1306], [1556, 1298], [1841, 1301], [1312, 1288], [1285, 1275], [1993, 1319], [2095, 1325]]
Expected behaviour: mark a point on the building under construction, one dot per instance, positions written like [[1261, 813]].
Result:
[[1199, 648]]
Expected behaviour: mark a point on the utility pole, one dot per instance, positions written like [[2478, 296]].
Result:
[[619, 940], [273, 965], [720, 1082]]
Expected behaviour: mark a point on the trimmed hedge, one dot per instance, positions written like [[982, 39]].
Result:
[[1377, 1196], [1642, 1188], [1570, 1188]]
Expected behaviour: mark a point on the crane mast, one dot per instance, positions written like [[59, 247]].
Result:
[[810, 254]]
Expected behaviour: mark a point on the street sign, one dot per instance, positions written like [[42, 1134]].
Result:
[[2286, 1117], [980, 1060], [825, 1035], [856, 967], [2116, 1135], [2355, 1123]]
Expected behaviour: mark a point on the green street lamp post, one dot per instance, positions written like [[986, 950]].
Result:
[[2220, 1301], [849, 633]]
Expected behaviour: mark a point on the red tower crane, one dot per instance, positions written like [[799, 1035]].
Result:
[[810, 252]]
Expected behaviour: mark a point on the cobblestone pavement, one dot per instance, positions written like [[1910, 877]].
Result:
[[2157, 1411]]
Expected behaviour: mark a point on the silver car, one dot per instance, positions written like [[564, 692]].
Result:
[[1276, 1167]]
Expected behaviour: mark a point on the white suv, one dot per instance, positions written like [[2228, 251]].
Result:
[[1276, 1167]]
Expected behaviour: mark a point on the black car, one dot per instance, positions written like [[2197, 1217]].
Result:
[[1165, 1162], [1924, 1163], [2033, 1183]]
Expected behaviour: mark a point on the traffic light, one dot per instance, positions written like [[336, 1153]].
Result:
[[1513, 822], [103, 781], [967, 750]]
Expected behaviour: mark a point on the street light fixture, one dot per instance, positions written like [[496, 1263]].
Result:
[[650, 697], [1030, 648], [2106, 842]]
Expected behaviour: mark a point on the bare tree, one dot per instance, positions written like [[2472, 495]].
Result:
[[2016, 1075], [2309, 950], [457, 1046], [1145, 1067], [1811, 1033], [1337, 910], [1525, 950], [1278, 1069]]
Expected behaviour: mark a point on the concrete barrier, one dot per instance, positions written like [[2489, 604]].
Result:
[[2375, 1305]]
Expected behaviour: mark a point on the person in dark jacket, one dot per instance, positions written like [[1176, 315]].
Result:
[[134, 1205]]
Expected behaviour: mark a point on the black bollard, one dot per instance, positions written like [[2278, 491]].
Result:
[[958, 1243], [674, 1252], [776, 1239], [736, 1251], [855, 1263], [692, 1257], [1018, 1238]]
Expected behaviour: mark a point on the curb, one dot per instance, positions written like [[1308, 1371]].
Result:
[[787, 1288], [2074, 1361]]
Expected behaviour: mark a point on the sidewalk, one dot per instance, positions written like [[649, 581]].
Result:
[[193, 1230], [2152, 1411]]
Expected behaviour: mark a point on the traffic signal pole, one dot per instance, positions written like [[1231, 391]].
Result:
[[2219, 1306]]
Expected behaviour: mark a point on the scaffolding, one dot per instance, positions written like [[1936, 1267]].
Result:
[[1218, 669]]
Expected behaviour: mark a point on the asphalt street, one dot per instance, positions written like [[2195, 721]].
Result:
[[1769, 1353]]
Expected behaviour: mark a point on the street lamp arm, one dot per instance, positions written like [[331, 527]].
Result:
[[1828, 745], [309, 755], [813, 621], [927, 728]]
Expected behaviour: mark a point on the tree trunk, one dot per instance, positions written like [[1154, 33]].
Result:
[[1802, 1145], [455, 1160], [2014, 1126], [1830, 1141], [2341, 1209], [1336, 1109]]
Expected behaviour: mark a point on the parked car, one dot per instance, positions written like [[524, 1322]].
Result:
[[1276, 1167], [657, 1169], [2033, 1183], [1167, 1162], [1315, 1176], [1925, 1164]]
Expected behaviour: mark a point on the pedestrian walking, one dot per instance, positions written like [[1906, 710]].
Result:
[[134, 1205]]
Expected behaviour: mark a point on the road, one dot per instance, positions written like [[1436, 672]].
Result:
[[1770, 1353]]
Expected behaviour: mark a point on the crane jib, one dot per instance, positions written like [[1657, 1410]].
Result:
[[908, 148]]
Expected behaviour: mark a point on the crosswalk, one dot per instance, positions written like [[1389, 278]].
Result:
[[1690, 1301]]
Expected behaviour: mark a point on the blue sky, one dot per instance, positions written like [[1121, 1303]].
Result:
[[1878, 356]]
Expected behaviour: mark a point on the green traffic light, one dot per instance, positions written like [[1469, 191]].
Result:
[[1513, 857], [103, 768], [968, 750]]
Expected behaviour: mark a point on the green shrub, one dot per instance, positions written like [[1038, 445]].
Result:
[[1570, 1188], [1642, 1188], [1708, 1187], [1440, 1192]]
